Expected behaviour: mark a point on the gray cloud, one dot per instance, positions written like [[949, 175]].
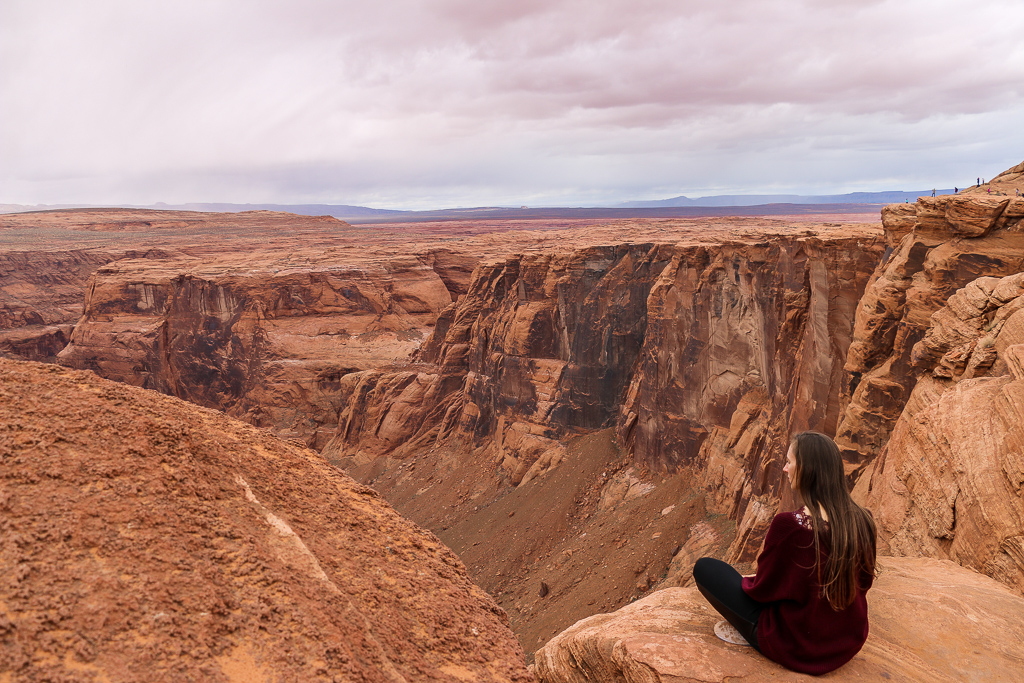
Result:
[[436, 102]]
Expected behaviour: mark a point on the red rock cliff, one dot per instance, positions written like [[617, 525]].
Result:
[[935, 247], [263, 336], [41, 293], [704, 355], [950, 481]]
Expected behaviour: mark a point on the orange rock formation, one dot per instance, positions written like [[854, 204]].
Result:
[[144, 538], [950, 480], [936, 246], [703, 355], [931, 622]]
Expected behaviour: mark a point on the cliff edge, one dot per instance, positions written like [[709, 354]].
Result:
[[931, 621]]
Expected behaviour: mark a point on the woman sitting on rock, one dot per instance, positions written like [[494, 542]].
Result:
[[805, 607]]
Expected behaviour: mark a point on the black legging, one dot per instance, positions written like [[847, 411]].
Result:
[[722, 586]]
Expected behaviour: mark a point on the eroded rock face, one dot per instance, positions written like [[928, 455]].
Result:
[[744, 347], [950, 481], [703, 355], [232, 310], [667, 341], [144, 538], [929, 621], [41, 293], [538, 346], [266, 339], [936, 247]]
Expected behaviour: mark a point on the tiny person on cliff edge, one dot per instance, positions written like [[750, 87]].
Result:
[[805, 608]]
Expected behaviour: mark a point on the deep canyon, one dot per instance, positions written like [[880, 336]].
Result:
[[580, 409]]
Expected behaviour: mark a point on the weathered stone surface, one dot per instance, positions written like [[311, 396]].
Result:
[[701, 354], [539, 345], [41, 293], [950, 481], [953, 240], [745, 346], [145, 538], [258, 313], [929, 621], [264, 339]]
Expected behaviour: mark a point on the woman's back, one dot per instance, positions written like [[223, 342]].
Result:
[[799, 627]]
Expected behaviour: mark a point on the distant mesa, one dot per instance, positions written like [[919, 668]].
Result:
[[855, 202], [879, 198]]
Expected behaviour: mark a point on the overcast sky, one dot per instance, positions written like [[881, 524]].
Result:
[[439, 103]]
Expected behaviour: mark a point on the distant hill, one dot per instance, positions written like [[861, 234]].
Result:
[[890, 197], [720, 205], [336, 210]]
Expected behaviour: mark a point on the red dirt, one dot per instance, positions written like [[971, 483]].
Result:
[[143, 538]]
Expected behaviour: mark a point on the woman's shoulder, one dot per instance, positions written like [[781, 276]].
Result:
[[796, 519]]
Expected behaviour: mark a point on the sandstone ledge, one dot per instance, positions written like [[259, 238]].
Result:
[[931, 620]]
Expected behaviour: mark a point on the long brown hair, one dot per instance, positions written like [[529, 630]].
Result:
[[821, 482]]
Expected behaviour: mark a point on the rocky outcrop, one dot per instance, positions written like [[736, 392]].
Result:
[[950, 481], [158, 263], [41, 294], [929, 621], [144, 538], [538, 346], [936, 246], [744, 347], [703, 355], [267, 339]]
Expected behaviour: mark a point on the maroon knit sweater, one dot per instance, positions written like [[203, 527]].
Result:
[[799, 629]]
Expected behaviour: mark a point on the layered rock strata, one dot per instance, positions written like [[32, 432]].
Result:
[[144, 538], [41, 293], [935, 247], [930, 621], [950, 481], [744, 347], [266, 338], [703, 355]]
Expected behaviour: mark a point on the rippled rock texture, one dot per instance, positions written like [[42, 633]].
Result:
[[936, 246], [950, 481], [929, 621]]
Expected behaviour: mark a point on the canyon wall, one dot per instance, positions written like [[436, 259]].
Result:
[[744, 347], [935, 247], [41, 298], [264, 337], [950, 481], [931, 430], [702, 355]]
